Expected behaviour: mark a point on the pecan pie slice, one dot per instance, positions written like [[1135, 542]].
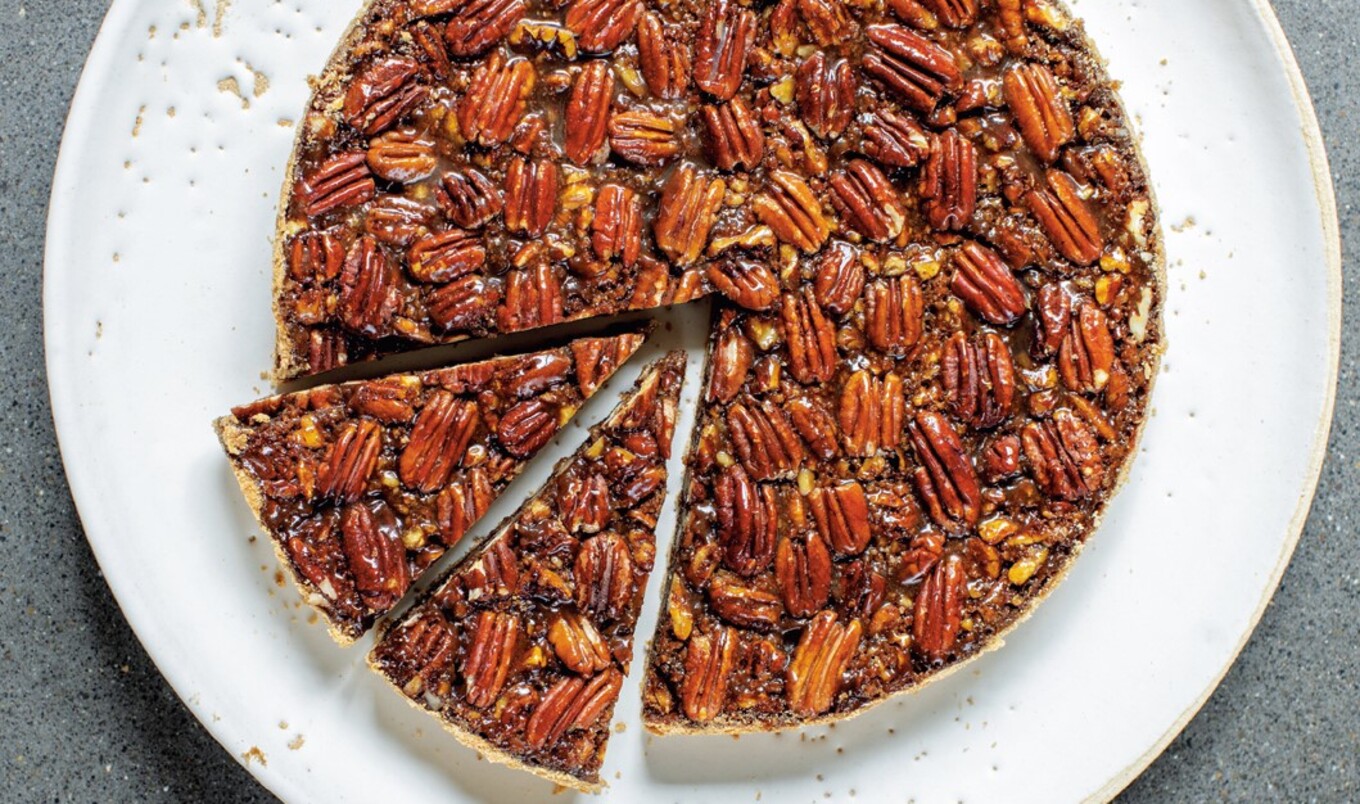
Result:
[[362, 485], [931, 361], [522, 651]]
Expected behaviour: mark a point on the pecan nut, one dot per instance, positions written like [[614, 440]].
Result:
[[495, 99], [840, 278], [1053, 314], [1039, 109], [709, 660], [571, 705], [469, 198], [584, 503], [1066, 218], [816, 425], [726, 33], [602, 25], [945, 479], [825, 92], [895, 140], [894, 314], [462, 503], [987, 285], [643, 137], [443, 257], [377, 559], [685, 213], [953, 13], [368, 289], [402, 155], [477, 25], [530, 195], [872, 410], [665, 67], [527, 426], [1086, 353], [949, 182], [462, 305], [732, 135], [315, 256], [578, 643], [746, 282], [488, 658], [533, 298], [494, 575], [789, 207], [810, 337], [828, 20], [861, 589], [748, 521], [350, 461], [823, 653], [842, 515], [803, 569], [764, 439], [604, 576], [597, 358], [1001, 459], [745, 606], [420, 651], [867, 201], [438, 442], [731, 362], [341, 181], [1063, 456], [587, 113], [979, 379], [922, 553], [616, 231], [388, 400], [939, 609], [916, 69], [383, 94]]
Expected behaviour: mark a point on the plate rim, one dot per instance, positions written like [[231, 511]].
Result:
[[144, 626]]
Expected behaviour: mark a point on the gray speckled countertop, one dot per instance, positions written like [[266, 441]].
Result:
[[85, 716]]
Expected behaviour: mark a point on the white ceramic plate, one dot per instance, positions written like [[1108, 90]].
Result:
[[157, 316]]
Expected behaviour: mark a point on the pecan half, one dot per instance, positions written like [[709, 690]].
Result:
[[810, 337], [462, 503], [375, 554], [938, 614], [748, 521], [1011, 16], [816, 425], [533, 298], [823, 653], [764, 439], [477, 25], [527, 426], [709, 659], [1066, 219], [469, 198], [732, 357], [495, 99], [979, 379], [315, 256], [895, 140], [893, 314], [604, 576], [803, 569], [665, 67], [840, 278], [825, 92], [616, 231], [732, 135], [945, 479], [488, 658], [987, 285], [587, 113], [368, 291], [828, 20], [919, 71], [1001, 459], [438, 442], [443, 257], [1063, 456], [745, 606], [530, 195], [643, 137], [1039, 109], [953, 13], [726, 33], [402, 155], [861, 589], [789, 207], [602, 25], [748, 283], [422, 649], [872, 410], [495, 574], [842, 515], [685, 213], [341, 181], [431, 44], [1053, 314], [571, 705], [949, 182], [349, 461], [396, 220], [462, 305], [867, 201], [1086, 354], [388, 400], [922, 553], [578, 643], [383, 94], [583, 503], [596, 359]]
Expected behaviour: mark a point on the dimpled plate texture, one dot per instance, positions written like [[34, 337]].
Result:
[[157, 319]]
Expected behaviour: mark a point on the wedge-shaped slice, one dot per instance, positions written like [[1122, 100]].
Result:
[[522, 651], [362, 485]]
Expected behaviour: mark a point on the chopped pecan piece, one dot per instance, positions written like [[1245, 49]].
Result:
[[1067, 219], [685, 213], [867, 201], [916, 69], [945, 479], [1039, 109], [726, 33], [825, 91], [986, 285], [587, 112], [979, 379], [949, 182], [823, 653]]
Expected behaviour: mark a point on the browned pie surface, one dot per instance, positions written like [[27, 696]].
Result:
[[362, 485], [920, 400], [523, 649]]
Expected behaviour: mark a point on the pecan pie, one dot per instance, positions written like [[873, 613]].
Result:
[[523, 649], [933, 356], [362, 485]]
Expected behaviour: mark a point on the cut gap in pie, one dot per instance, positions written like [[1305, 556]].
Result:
[[522, 650], [362, 485]]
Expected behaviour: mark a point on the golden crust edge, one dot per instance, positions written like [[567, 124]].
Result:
[[1154, 363]]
